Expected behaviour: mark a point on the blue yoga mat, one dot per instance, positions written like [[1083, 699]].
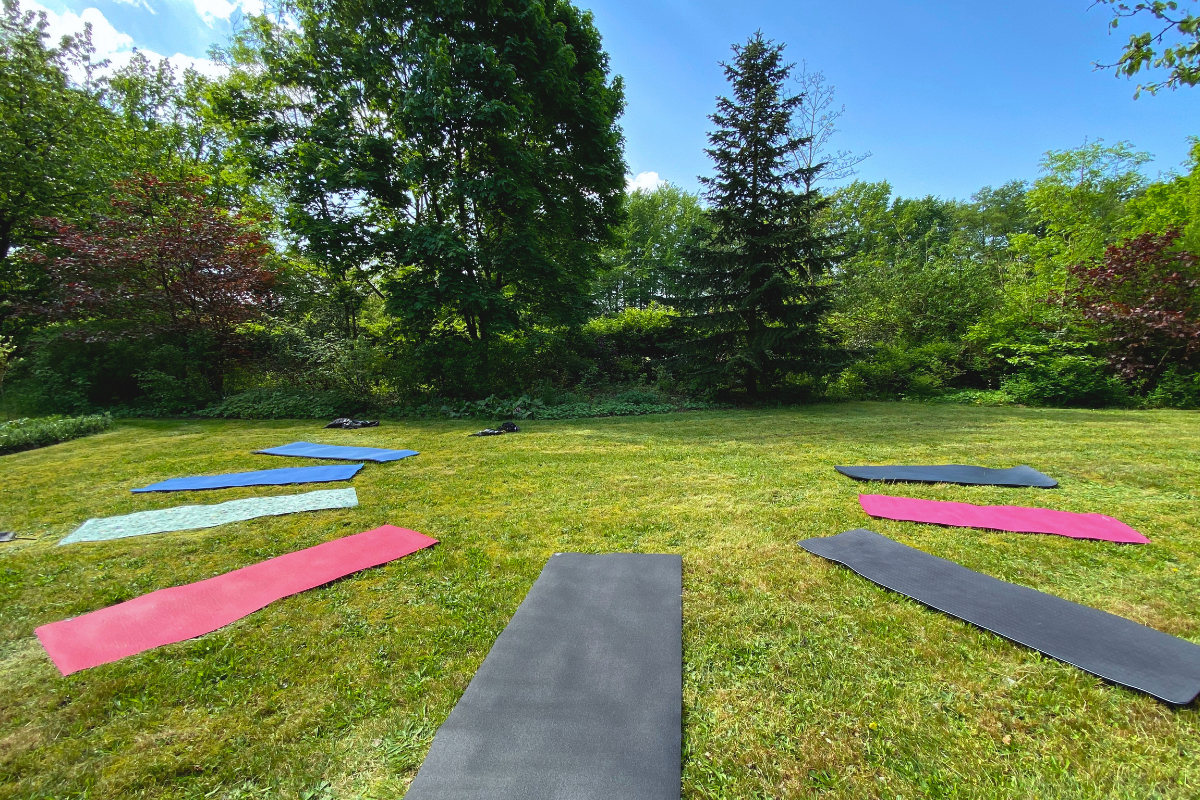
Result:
[[262, 477], [310, 450]]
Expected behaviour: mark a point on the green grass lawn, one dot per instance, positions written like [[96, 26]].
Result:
[[801, 679]]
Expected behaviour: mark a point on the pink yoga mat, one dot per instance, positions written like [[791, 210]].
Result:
[[1001, 518], [184, 612]]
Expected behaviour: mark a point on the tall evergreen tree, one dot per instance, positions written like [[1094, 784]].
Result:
[[754, 291]]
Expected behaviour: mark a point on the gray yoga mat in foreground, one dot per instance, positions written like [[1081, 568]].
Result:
[[183, 518], [579, 698], [966, 474], [1117, 649]]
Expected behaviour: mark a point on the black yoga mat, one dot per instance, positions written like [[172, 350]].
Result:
[[953, 473], [1117, 649], [580, 697]]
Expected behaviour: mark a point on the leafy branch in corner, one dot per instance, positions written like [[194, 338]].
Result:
[[1175, 46]]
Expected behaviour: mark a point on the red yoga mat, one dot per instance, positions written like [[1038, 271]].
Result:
[[1001, 518], [184, 612]]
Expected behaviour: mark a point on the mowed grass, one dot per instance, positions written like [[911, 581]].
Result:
[[801, 679]]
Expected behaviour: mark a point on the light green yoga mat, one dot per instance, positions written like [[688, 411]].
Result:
[[183, 518]]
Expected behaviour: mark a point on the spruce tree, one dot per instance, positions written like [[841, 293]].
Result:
[[754, 296]]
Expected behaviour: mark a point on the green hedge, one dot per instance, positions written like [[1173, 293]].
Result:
[[26, 434], [615, 408], [285, 404]]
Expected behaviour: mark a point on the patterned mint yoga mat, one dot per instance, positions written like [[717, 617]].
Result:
[[183, 518]]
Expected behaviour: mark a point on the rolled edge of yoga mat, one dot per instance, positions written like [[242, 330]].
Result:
[[1016, 519], [178, 613], [1021, 476], [194, 517], [1116, 649], [262, 477], [580, 697]]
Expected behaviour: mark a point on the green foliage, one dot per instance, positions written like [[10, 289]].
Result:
[[491, 407], [975, 397], [468, 153], [1170, 203], [901, 258], [1172, 45], [752, 291], [1066, 382], [26, 434], [8, 359], [166, 125], [69, 371], [53, 141], [1177, 388], [1081, 202], [898, 371], [643, 265], [1060, 374], [302, 353], [621, 408], [286, 404], [51, 130]]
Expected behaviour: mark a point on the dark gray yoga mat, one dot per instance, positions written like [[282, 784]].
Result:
[[1117, 649], [953, 473], [580, 697]]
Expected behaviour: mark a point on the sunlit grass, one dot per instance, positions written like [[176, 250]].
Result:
[[801, 679]]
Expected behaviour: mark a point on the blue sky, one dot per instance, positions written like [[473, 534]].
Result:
[[948, 96]]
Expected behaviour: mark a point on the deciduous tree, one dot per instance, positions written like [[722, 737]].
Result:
[[53, 141], [1144, 294], [160, 261], [460, 157]]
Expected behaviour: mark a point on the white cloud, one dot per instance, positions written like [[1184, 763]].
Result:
[[113, 45], [212, 10], [646, 181], [205, 66], [107, 39], [138, 4]]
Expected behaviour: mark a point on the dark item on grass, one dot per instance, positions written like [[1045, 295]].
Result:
[[964, 474], [580, 697], [353, 424], [7, 536], [505, 427], [1114, 648]]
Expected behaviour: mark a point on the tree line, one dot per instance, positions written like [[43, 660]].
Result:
[[399, 205]]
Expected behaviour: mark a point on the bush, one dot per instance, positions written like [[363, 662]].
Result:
[[638, 397], [901, 371], [26, 434], [976, 397], [629, 403], [70, 372], [1067, 381], [1176, 389], [287, 404], [615, 408]]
